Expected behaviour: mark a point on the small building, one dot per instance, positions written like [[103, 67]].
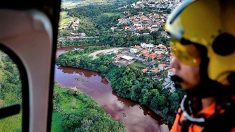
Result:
[[161, 46], [129, 58], [134, 50], [154, 27], [127, 28], [145, 70], [159, 52], [153, 55], [82, 34], [144, 18], [139, 28], [156, 16], [133, 5], [137, 34], [145, 33], [137, 25], [74, 34], [145, 51], [152, 5], [123, 21], [159, 56], [144, 45], [118, 56], [162, 66], [113, 28], [139, 2], [155, 70], [138, 47], [141, 13], [170, 72], [76, 49]]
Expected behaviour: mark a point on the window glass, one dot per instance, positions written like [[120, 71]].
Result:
[[10, 93], [113, 58]]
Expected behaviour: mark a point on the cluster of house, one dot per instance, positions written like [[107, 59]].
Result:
[[148, 54], [151, 21], [140, 22], [159, 4], [155, 58]]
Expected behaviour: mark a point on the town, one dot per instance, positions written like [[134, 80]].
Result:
[[152, 57], [155, 57]]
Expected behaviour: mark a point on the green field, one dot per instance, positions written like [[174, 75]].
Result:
[[75, 111], [137, 65], [11, 124]]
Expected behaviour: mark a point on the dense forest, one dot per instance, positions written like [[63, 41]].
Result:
[[128, 81]]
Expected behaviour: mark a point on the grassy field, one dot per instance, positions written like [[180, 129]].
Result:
[[11, 124], [138, 65], [73, 3], [75, 111], [65, 20]]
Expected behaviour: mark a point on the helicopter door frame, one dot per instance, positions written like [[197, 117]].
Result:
[[28, 34]]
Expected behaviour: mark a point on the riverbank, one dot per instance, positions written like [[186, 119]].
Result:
[[75, 111], [128, 82], [135, 117]]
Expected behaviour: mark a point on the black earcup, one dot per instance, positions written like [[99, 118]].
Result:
[[231, 78], [224, 44]]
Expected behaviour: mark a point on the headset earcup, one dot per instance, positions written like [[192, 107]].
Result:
[[224, 44], [231, 78]]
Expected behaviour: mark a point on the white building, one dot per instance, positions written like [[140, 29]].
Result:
[[145, 33], [129, 58], [144, 45], [113, 28], [134, 50], [137, 25], [82, 34], [155, 27]]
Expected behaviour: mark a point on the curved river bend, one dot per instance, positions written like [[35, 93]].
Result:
[[135, 117]]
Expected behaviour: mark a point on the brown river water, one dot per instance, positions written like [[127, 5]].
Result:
[[136, 118]]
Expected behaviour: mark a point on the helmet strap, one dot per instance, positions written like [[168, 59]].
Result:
[[186, 106]]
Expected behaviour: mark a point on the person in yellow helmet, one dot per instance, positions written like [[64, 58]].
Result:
[[203, 42]]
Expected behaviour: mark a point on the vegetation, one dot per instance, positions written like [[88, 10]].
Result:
[[66, 20], [96, 20], [10, 92], [128, 82], [75, 111]]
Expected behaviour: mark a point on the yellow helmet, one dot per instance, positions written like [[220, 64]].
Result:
[[210, 23]]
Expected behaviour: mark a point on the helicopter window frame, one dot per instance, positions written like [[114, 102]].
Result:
[[11, 110]]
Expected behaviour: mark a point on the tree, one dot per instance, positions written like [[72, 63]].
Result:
[[155, 35]]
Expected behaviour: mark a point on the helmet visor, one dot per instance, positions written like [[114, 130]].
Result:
[[187, 54]]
